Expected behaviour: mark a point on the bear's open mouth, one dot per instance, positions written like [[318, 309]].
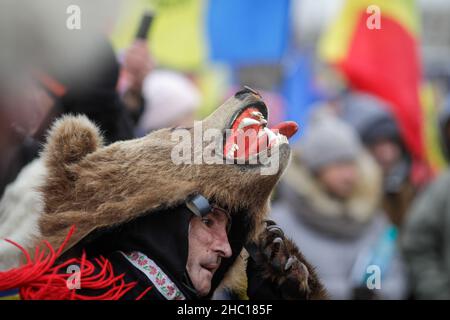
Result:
[[248, 134]]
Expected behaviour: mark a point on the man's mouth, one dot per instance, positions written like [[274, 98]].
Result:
[[210, 267], [250, 135]]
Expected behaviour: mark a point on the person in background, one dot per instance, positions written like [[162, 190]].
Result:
[[426, 233], [171, 99], [426, 241], [136, 65], [381, 135], [50, 91], [93, 92], [56, 87], [329, 205], [21, 111]]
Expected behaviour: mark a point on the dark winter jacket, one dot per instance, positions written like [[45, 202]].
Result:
[[426, 241]]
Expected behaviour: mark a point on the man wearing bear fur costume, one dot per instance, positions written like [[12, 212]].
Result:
[[163, 230]]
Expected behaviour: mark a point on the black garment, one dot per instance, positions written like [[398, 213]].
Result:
[[163, 237], [93, 92], [104, 108]]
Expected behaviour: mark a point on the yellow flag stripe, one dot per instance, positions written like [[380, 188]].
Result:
[[431, 129], [177, 36]]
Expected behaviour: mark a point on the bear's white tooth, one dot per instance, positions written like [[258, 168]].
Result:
[[270, 134], [257, 114], [248, 122]]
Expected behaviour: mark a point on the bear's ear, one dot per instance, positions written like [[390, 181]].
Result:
[[69, 140]]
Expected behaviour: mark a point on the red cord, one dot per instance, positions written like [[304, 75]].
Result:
[[42, 280], [143, 293]]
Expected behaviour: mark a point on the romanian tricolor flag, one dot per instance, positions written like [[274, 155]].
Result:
[[203, 37], [188, 34], [375, 44]]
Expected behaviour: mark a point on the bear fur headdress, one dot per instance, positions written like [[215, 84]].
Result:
[[93, 187]]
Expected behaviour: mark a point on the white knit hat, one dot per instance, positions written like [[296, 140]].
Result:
[[168, 96], [328, 140]]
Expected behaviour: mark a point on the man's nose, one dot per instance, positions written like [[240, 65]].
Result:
[[222, 246]]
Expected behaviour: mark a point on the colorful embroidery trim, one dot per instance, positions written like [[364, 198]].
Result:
[[162, 282]]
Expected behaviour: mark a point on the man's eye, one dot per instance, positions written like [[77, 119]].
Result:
[[207, 222]]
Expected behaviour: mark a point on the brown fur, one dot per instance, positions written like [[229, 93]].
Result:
[[309, 284], [91, 186]]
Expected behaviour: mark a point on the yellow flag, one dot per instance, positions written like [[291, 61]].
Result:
[[176, 38], [127, 24]]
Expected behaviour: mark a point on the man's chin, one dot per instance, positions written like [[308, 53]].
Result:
[[204, 286], [203, 291]]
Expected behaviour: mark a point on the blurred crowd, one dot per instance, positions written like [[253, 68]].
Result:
[[353, 195]]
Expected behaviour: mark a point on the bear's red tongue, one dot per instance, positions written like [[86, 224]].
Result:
[[286, 128], [249, 134]]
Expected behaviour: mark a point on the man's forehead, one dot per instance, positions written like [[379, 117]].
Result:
[[220, 214]]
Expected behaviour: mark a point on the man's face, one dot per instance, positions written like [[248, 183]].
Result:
[[386, 153], [31, 107], [208, 244], [339, 179]]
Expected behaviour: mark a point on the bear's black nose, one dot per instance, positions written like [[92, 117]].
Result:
[[246, 90]]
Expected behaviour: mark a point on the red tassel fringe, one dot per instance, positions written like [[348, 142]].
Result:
[[41, 280]]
